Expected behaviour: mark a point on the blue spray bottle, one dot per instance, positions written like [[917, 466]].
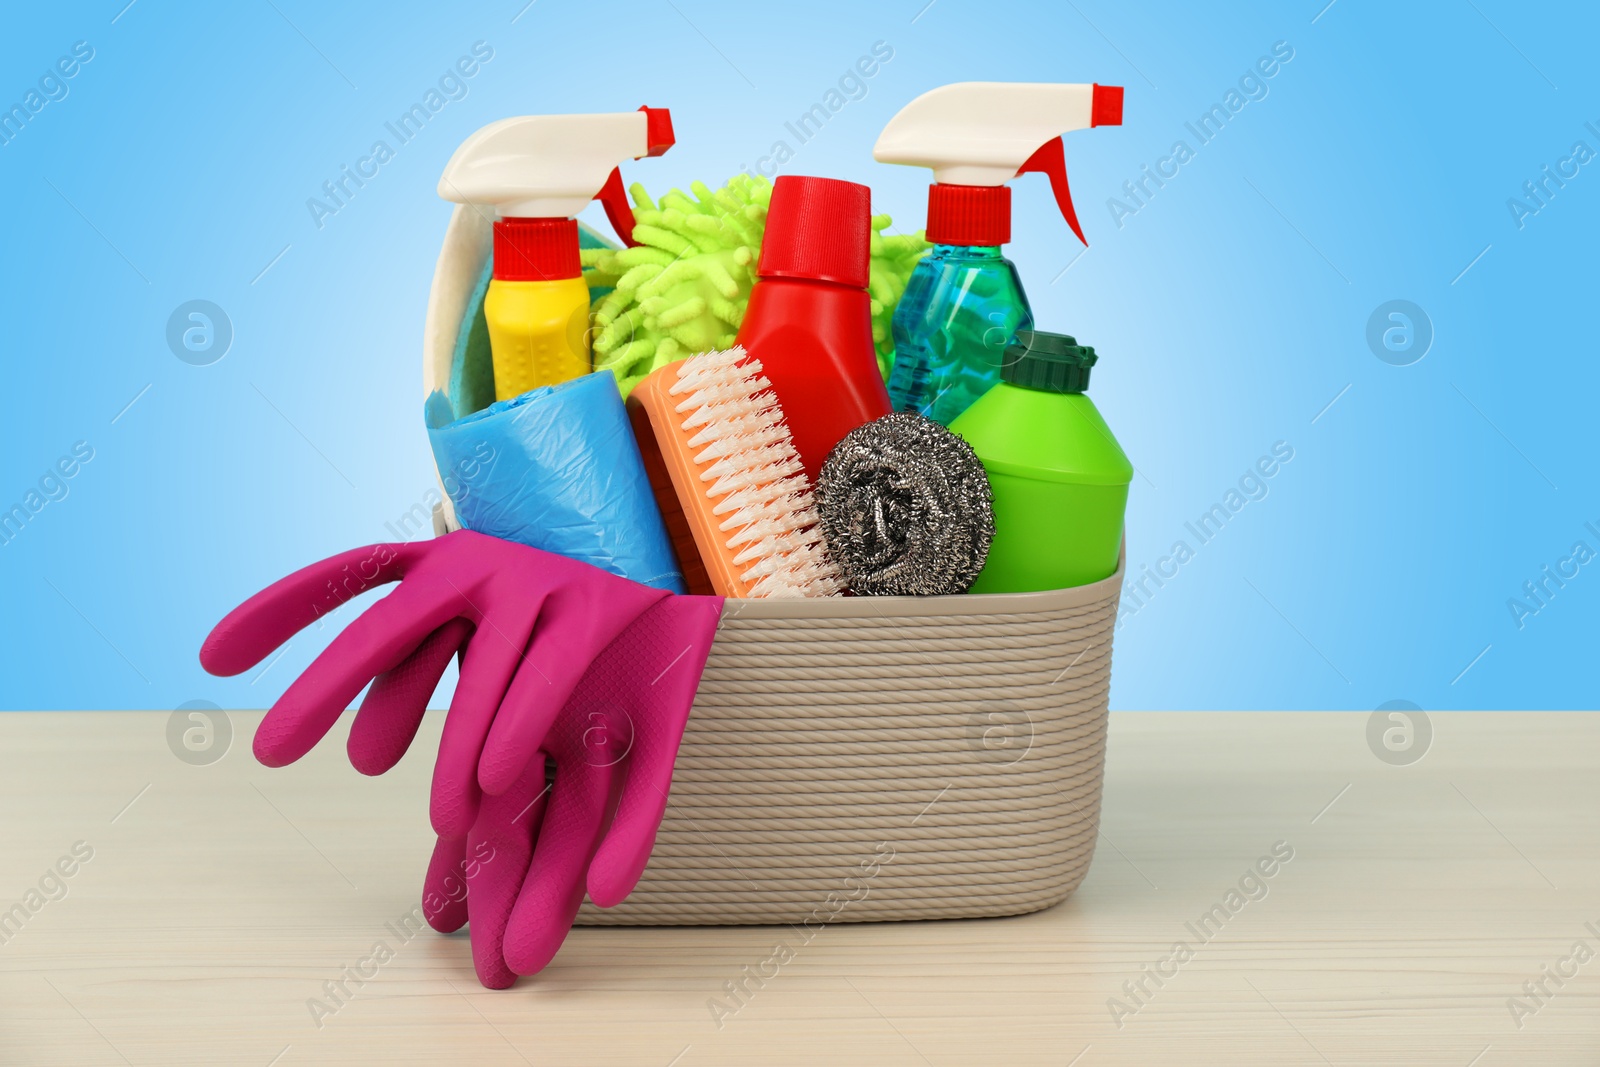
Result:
[[964, 302]]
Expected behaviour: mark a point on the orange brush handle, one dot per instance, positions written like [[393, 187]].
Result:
[[703, 554]]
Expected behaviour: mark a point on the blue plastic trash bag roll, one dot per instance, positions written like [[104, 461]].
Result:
[[557, 468]]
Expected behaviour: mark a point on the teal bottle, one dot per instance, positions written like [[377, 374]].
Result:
[[962, 307]]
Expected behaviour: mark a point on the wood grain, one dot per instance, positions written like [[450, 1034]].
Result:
[[220, 899]]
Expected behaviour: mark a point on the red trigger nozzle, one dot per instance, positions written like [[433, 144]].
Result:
[[658, 137], [658, 130], [1106, 107], [1051, 161], [615, 201]]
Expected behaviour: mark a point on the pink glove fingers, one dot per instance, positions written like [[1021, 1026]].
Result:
[[374, 642], [498, 852], [494, 656], [562, 650], [444, 902], [553, 891], [392, 710], [668, 644], [251, 631]]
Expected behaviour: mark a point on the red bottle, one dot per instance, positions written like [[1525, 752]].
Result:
[[810, 320]]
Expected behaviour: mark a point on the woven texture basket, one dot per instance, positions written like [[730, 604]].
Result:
[[883, 758], [863, 758]]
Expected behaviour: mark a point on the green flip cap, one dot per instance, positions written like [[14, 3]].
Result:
[[1048, 362]]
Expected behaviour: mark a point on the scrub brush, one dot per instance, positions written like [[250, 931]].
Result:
[[730, 484], [685, 287]]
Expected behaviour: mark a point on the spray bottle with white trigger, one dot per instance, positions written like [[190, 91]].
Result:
[[537, 172], [964, 303]]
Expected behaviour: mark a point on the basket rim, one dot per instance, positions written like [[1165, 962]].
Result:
[[865, 607]]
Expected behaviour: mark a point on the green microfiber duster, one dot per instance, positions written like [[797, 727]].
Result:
[[684, 289]]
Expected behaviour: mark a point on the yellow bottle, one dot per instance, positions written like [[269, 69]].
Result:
[[538, 171], [538, 333], [537, 306]]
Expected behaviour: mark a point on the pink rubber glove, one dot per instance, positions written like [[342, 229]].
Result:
[[613, 745], [538, 621], [614, 737]]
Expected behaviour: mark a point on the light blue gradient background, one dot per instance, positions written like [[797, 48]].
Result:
[[1228, 312]]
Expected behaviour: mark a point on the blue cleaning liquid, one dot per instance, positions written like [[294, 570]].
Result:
[[962, 307]]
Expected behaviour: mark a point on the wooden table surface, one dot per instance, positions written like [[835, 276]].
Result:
[[217, 900]]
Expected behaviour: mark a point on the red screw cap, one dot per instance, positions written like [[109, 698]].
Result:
[[536, 250], [818, 229], [971, 216]]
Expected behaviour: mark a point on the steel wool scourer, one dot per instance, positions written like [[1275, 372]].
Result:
[[905, 508]]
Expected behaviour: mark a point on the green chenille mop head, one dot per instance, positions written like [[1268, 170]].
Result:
[[684, 289]]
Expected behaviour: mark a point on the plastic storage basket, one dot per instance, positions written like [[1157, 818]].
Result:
[[861, 758]]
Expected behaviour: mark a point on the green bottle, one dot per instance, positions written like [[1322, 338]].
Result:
[[1060, 479]]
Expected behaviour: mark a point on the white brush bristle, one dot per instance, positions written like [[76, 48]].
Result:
[[755, 476]]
